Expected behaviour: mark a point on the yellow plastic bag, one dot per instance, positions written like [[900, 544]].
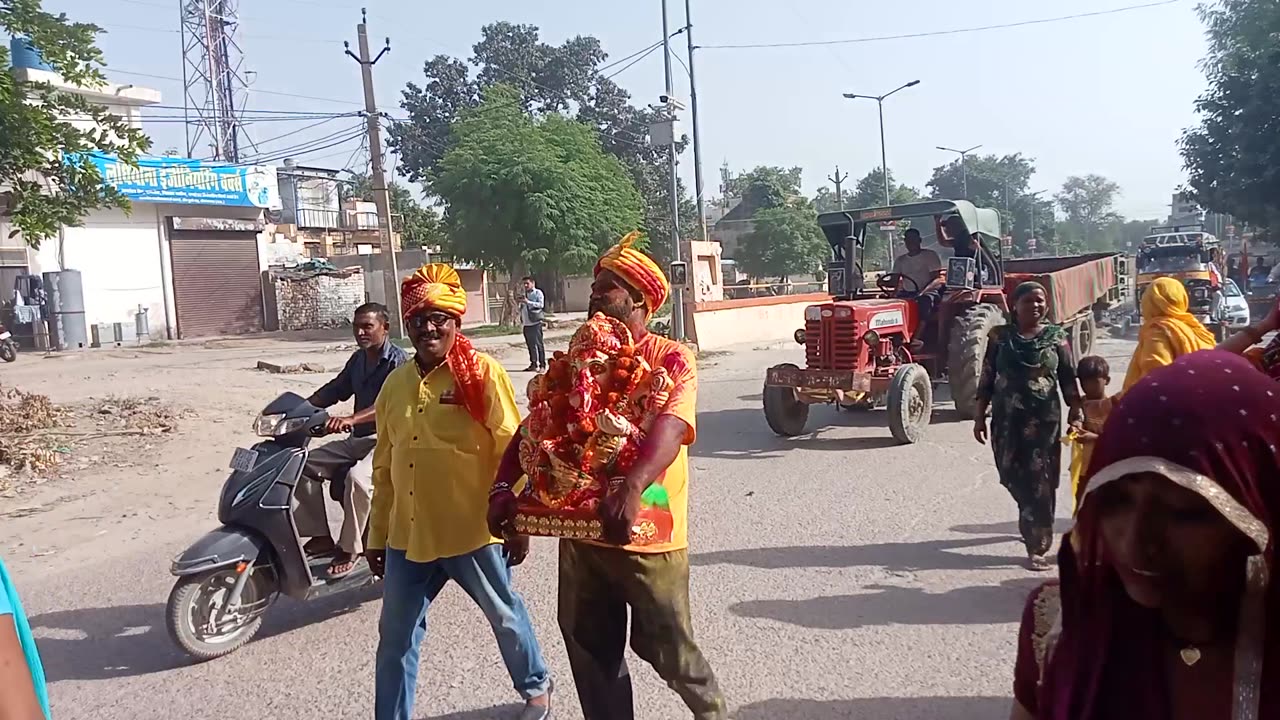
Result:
[[1072, 439]]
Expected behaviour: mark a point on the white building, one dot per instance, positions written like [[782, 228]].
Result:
[[188, 253]]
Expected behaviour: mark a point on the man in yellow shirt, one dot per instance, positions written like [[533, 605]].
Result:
[[598, 581], [444, 421]]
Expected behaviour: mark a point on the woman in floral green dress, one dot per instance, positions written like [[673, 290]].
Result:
[[1026, 363]]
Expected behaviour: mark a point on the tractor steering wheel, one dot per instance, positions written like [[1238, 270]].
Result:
[[892, 282]]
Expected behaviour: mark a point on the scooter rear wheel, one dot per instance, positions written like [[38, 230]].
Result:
[[196, 600], [8, 351]]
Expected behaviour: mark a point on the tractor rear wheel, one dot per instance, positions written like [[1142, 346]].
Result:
[[1083, 336], [968, 347], [784, 412], [910, 403]]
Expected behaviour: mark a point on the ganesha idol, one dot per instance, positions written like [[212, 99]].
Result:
[[588, 415]]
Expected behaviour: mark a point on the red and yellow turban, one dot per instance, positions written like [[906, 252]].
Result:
[[637, 270], [436, 286]]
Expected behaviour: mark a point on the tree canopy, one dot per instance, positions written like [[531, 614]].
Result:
[[1088, 202], [1233, 156], [526, 193], [48, 177], [766, 186], [570, 80], [784, 241]]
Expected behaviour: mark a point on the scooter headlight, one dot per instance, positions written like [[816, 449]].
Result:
[[276, 425], [265, 425]]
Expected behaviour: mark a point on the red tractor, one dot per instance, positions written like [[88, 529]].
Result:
[[868, 346]]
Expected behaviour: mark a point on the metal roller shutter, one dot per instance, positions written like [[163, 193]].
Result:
[[216, 284]]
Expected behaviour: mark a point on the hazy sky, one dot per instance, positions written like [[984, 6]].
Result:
[[1107, 95]]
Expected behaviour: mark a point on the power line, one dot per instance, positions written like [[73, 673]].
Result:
[[936, 33], [251, 90]]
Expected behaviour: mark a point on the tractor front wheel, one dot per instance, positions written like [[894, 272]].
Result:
[[784, 412], [910, 403]]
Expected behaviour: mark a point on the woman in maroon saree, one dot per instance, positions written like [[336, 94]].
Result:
[[1164, 610]]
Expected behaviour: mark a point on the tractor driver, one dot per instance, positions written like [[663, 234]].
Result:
[[918, 264], [964, 245]]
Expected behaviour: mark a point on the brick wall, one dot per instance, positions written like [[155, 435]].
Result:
[[318, 301]]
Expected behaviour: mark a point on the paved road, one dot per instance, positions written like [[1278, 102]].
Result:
[[836, 575]]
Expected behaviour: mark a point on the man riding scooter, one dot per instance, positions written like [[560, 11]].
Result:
[[348, 463]]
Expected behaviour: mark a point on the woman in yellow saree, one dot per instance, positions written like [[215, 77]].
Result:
[[1168, 331]]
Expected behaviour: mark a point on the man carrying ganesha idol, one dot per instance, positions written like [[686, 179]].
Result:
[[600, 580]]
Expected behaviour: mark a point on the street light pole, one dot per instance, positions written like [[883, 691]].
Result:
[[964, 172], [1034, 197], [884, 161]]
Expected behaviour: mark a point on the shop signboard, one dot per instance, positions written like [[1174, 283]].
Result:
[[191, 182]]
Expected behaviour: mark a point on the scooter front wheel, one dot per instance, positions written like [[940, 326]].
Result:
[[8, 351], [199, 620]]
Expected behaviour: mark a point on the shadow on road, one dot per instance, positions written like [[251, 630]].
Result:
[[130, 640], [977, 605], [929, 708], [1060, 526], [894, 557], [742, 434], [497, 712]]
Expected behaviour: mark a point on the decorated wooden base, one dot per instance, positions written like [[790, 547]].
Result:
[[653, 525]]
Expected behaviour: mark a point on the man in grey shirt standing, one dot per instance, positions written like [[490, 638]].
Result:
[[531, 309]]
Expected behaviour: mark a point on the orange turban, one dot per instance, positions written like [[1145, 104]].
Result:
[[435, 286], [637, 270]]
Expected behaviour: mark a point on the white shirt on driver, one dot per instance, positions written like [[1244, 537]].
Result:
[[921, 267]]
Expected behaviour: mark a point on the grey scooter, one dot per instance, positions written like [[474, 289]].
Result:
[[228, 578]]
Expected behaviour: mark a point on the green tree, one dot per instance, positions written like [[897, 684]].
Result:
[[825, 200], [766, 186], [48, 177], [1233, 156], [1088, 202], [784, 241], [566, 80], [524, 194], [419, 226]]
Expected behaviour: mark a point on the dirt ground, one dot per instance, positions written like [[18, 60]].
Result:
[[152, 431]]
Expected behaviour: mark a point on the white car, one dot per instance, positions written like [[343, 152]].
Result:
[[1237, 308]]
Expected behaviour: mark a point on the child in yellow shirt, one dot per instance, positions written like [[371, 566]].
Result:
[[1094, 374]]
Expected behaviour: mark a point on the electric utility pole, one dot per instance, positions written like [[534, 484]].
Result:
[[697, 134], [381, 195], [677, 301], [838, 180]]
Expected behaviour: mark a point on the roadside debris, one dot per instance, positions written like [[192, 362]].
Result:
[[45, 435], [290, 369]]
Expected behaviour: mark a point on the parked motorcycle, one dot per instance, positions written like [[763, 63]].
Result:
[[8, 348], [228, 578]]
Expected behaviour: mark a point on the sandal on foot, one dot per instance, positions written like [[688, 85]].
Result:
[[342, 565], [1039, 563]]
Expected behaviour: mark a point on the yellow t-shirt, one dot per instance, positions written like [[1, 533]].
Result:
[[434, 464], [683, 403]]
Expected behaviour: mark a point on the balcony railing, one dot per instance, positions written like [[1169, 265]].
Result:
[[334, 219]]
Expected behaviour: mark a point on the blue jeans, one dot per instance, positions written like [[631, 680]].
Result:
[[408, 589]]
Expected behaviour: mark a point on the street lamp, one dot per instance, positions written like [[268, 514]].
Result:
[[884, 165], [964, 173], [1034, 197]]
